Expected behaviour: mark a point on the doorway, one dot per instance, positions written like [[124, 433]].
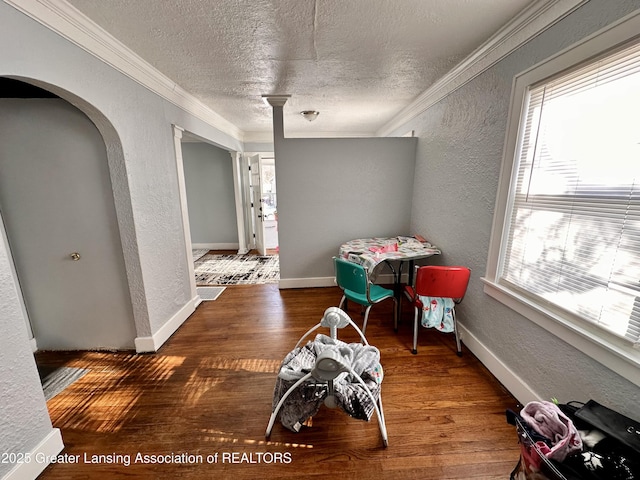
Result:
[[218, 200], [60, 225], [264, 204]]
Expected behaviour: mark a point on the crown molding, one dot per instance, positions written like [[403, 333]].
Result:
[[528, 24], [267, 137], [64, 19]]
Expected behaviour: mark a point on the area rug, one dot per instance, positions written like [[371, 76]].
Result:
[[55, 379], [198, 253], [209, 293], [237, 269]]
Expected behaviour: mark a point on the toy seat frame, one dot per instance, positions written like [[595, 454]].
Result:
[[328, 366]]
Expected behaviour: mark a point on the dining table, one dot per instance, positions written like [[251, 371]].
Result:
[[376, 251]]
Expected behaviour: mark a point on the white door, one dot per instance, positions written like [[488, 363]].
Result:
[[60, 220], [269, 202], [255, 165]]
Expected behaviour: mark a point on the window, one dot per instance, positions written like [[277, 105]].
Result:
[[567, 233], [573, 228]]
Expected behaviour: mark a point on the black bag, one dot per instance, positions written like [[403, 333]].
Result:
[[623, 429]]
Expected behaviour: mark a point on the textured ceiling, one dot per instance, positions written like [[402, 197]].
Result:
[[358, 62]]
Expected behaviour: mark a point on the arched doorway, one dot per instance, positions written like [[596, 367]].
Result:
[[59, 215]]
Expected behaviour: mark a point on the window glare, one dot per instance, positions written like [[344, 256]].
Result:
[[596, 132], [574, 231]]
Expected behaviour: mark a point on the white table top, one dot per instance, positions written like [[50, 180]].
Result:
[[370, 252]]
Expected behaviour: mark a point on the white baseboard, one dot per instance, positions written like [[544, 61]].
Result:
[[216, 246], [154, 342], [310, 282], [518, 387], [50, 446], [306, 282]]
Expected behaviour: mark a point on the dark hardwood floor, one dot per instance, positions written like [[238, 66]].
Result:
[[207, 393]]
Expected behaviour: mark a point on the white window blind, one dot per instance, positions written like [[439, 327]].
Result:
[[573, 228]]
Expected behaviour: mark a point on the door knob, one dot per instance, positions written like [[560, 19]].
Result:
[[75, 256]]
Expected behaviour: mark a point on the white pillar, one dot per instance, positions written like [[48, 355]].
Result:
[[236, 158], [177, 137]]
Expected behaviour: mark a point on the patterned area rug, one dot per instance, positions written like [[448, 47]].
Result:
[[237, 269]]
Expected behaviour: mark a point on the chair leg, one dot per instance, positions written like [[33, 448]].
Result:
[[457, 334], [415, 331], [366, 317], [396, 308]]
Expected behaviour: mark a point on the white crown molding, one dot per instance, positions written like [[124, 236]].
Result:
[[258, 137], [528, 24], [267, 137], [340, 134], [64, 19]]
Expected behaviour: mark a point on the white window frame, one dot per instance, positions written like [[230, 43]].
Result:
[[609, 350]]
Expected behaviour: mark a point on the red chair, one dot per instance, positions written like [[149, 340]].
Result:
[[437, 281]]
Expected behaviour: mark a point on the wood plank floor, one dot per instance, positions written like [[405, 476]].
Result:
[[209, 389]]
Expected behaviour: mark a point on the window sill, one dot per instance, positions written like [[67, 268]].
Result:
[[606, 349]]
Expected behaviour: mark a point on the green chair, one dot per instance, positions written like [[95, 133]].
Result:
[[354, 281]]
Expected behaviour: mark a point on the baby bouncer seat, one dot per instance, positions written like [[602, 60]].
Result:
[[330, 372]]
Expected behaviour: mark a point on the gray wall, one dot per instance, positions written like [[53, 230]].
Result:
[[56, 198], [334, 190], [208, 175], [136, 125], [456, 177], [329, 192], [24, 420]]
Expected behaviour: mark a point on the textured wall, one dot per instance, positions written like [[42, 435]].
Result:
[[137, 128], [136, 125], [24, 419], [208, 175], [334, 190], [457, 167]]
